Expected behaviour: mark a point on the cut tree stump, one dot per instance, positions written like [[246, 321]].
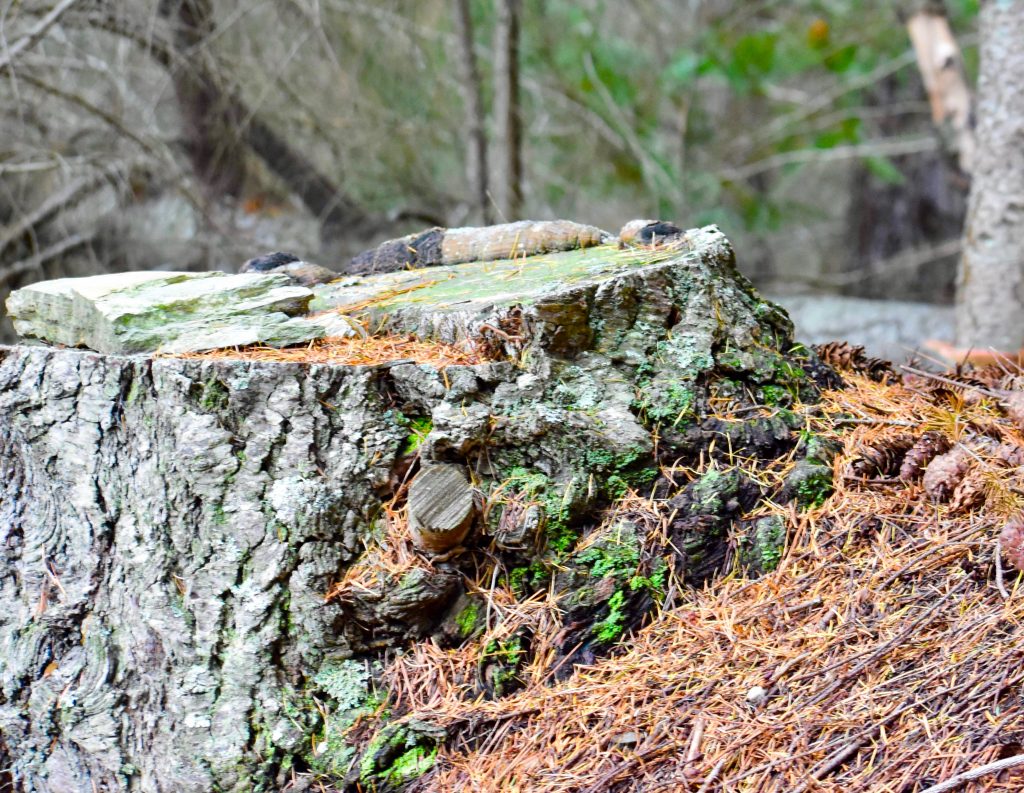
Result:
[[170, 528]]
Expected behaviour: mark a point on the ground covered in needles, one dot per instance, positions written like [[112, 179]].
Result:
[[883, 651]]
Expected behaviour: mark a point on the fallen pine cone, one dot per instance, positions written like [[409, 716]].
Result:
[[1011, 539], [851, 357], [929, 446], [969, 494], [945, 472], [1012, 404], [881, 458]]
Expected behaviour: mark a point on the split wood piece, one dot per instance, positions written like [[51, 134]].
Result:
[[441, 507], [439, 246], [942, 70]]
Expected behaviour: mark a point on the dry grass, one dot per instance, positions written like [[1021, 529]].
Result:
[[353, 351], [889, 657]]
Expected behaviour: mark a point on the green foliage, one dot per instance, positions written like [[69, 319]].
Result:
[[609, 630], [419, 429], [811, 491]]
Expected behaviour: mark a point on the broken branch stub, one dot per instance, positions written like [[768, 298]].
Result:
[[441, 507]]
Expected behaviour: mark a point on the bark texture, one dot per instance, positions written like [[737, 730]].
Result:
[[990, 298], [168, 530]]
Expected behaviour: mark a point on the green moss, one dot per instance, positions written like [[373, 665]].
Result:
[[419, 429], [812, 490], [617, 555], [397, 754], [411, 764], [467, 619], [214, 396], [556, 502], [762, 549], [775, 395], [672, 404], [525, 580], [609, 630]]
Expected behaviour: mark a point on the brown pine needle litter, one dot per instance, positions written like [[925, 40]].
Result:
[[354, 351], [887, 647]]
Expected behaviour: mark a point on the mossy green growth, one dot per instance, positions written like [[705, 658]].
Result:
[[762, 549], [812, 490], [419, 429], [467, 620], [411, 764], [399, 753], [672, 404], [775, 395], [617, 554], [712, 489], [556, 501], [214, 395], [526, 580], [609, 630]]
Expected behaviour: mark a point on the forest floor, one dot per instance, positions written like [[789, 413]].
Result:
[[884, 653]]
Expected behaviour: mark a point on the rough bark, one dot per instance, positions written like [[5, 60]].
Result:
[[508, 123], [476, 120], [168, 530], [990, 298]]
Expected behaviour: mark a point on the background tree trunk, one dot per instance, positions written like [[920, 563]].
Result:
[[476, 129], [990, 299], [508, 125]]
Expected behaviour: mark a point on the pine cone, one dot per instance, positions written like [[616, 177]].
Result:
[[881, 458], [1012, 403], [1011, 453], [928, 446], [969, 494], [851, 357], [1011, 539], [945, 472]]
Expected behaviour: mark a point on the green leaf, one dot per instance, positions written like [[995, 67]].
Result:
[[883, 168], [842, 59], [754, 54], [683, 69]]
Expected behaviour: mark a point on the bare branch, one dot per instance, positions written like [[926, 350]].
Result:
[[34, 262], [878, 148], [31, 38]]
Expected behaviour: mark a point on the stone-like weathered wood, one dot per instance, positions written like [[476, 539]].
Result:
[[146, 312], [440, 507]]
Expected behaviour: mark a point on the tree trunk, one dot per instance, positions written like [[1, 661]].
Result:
[[476, 131], [990, 298], [508, 124]]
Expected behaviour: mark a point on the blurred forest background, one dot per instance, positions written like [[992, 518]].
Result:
[[193, 134]]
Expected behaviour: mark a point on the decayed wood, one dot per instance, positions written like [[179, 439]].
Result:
[[942, 70], [441, 507], [510, 240]]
